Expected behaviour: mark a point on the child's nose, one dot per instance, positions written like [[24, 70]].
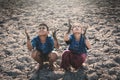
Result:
[[76, 27]]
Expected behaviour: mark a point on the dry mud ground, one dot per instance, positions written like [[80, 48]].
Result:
[[103, 16]]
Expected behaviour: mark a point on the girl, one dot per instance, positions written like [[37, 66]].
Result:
[[76, 54]]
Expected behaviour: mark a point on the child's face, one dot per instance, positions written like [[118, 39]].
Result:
[[76, 29], [42, 30]]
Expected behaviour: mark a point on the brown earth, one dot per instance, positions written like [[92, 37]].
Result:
[[103, 16]]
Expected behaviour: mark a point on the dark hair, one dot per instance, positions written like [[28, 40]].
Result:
[[43, 24]]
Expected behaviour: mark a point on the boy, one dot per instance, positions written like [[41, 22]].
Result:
[[77, 52], [42, 46]]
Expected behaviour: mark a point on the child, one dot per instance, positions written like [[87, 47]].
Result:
[[42, 46], [77, 52]]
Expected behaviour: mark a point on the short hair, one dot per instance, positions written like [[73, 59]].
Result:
[[43, 24]]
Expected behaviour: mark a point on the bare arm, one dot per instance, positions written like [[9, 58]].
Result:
[[66, 35], [88, 44], [29, 46], [56, 44]]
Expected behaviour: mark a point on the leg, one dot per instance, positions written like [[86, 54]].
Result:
[[65, 64], [36, 56], [52, 58], [78, 60], [83, 58]]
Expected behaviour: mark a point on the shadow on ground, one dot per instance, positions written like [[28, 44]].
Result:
[[46, 74]]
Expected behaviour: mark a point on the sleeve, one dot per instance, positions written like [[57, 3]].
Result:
[[33, 43]]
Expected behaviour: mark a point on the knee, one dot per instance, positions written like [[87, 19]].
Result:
[[83, 56], [66, 53], [53, 57], [35, 54]]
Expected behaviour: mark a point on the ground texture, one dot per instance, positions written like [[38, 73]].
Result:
[[102, 16]]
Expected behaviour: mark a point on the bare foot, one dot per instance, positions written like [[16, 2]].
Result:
[[38, 67], [68, 69], [52, 67]]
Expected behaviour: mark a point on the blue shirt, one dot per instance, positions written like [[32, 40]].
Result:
[[77, 46], [45, 48]]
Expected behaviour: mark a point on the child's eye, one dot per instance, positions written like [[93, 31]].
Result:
[[43, 27]]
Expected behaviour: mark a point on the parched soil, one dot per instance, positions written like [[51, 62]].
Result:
[[102, 16]]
